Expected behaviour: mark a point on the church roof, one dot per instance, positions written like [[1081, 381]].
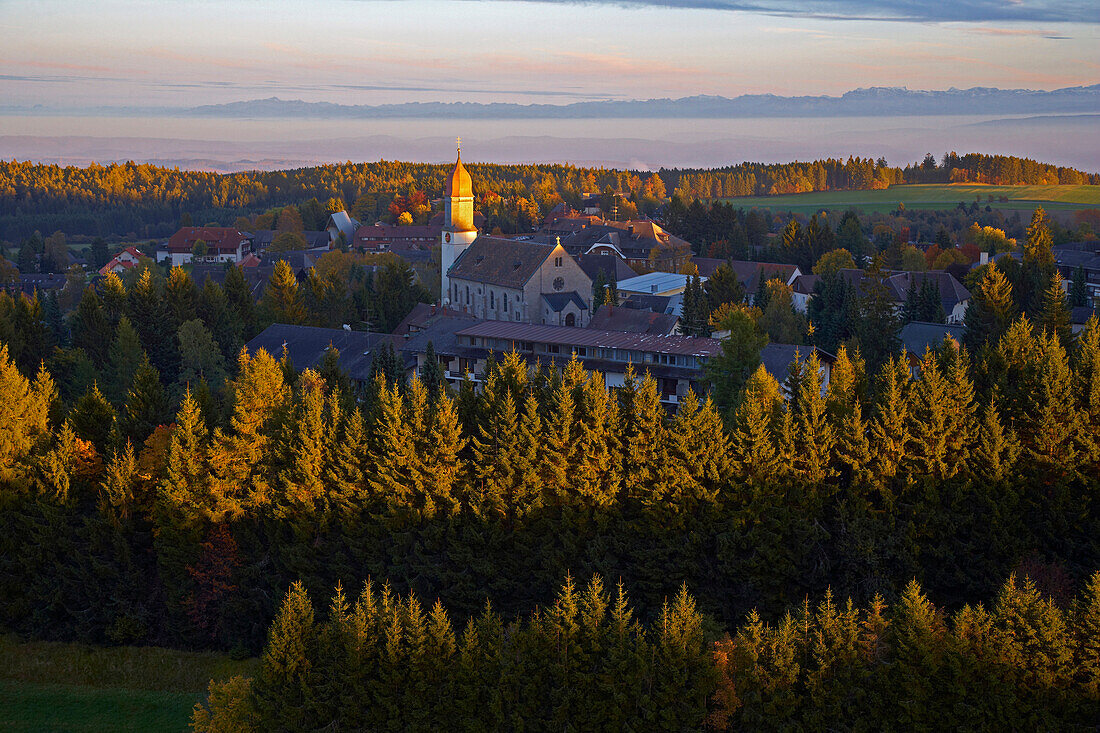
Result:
[[508, 263], [459, 183]]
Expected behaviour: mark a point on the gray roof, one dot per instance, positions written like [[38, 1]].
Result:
[[343, 223], [559, 301], [1080, 314], [918, 336], [508, 263], [632, 320], [613, 268], [661, 344], [440, 332], [307, 345], [672, 304], [777, 358]]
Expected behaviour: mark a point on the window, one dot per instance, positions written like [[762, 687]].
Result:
[[570, 319], [467, 295], [492, 299], [557, 262], [504, 297]]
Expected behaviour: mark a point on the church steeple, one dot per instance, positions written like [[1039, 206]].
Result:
[[458, 193], [458, 224]]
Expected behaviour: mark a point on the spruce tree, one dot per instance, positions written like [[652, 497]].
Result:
[[146, 404], [181, 297], [753, 452], [223, 322], [1053, 316], [694, 315], [283, 686], [1079, 290], [238, 296], [991, 309], [125, 356], [91, 331], [148, 315], [1038, 263], [282, 301], [93, 419], [112, 293]]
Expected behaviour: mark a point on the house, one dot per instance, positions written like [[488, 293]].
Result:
[[1079, 317], [306, 347], [655, 283], [29, 282], [954, 297], [262, 239], [1085, 255], [388, 237], [778, 358], [422, 315], [676, 362], [223, 244], [613, 267], [521, 281], [633, 320], [642, 244], [122, 262], [340, 223], [917, 337]]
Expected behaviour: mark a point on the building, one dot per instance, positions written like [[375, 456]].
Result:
[[339, 223], [306, 347], [676, 362], [917, 337], [655, 283], [633, 320], [521, 281], [642, 244], [1085, 255], [122, 262], [954, 297], [392, 238], [223, 244], [459, 230]]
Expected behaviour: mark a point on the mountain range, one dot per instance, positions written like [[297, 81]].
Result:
[[875, 101]]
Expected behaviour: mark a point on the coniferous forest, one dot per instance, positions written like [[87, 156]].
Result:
[[143, 200], [914, 545]]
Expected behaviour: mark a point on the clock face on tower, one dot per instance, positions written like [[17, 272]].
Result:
[[559, 283]]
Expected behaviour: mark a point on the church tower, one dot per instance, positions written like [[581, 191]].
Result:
[[458, 222]]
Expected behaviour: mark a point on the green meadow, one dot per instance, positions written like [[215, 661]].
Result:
[[930, 196], [50, 686]]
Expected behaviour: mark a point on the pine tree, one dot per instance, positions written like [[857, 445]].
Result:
[[281, 301], [918, 631], [148, 315], [238, 295], [93, 419], [146, 404], [432, 376], [694, 316], [187, 491], [891, 428], [1053, 316], [286, 677], [91, 331], [112, 294], [814, 434], [181, 298], [754, 453], [996, 451], [1038, 264], [223, 322], [304, 475], [125, 357], [200, 357], [118, 484], [929, 420], [24, 412], [1086, 628], [1079, 290]]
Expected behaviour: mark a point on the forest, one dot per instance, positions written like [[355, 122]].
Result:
[[142, 201], [174, 495]]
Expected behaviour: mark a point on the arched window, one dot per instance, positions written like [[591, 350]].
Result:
[[570, 319]]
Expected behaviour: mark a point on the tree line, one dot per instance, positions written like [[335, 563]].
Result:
[[149, 201], [381, 661]]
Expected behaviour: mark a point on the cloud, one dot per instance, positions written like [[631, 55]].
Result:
[[923, 11], [1019, 33]]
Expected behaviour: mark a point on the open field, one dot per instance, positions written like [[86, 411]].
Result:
[[931, 196], [75, 687]]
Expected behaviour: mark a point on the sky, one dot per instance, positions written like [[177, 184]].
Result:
[[66, 55]]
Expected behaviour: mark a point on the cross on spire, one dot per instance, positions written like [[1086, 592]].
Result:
[[458, 144]]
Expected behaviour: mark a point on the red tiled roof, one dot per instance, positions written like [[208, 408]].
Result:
[[219, 240]]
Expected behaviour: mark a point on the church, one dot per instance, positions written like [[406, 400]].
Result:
[[503, 279]]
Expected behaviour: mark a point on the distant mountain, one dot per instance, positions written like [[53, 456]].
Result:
[[873, 102]]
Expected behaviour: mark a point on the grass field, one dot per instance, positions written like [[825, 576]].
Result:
[[930, 196], [48, 686]]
